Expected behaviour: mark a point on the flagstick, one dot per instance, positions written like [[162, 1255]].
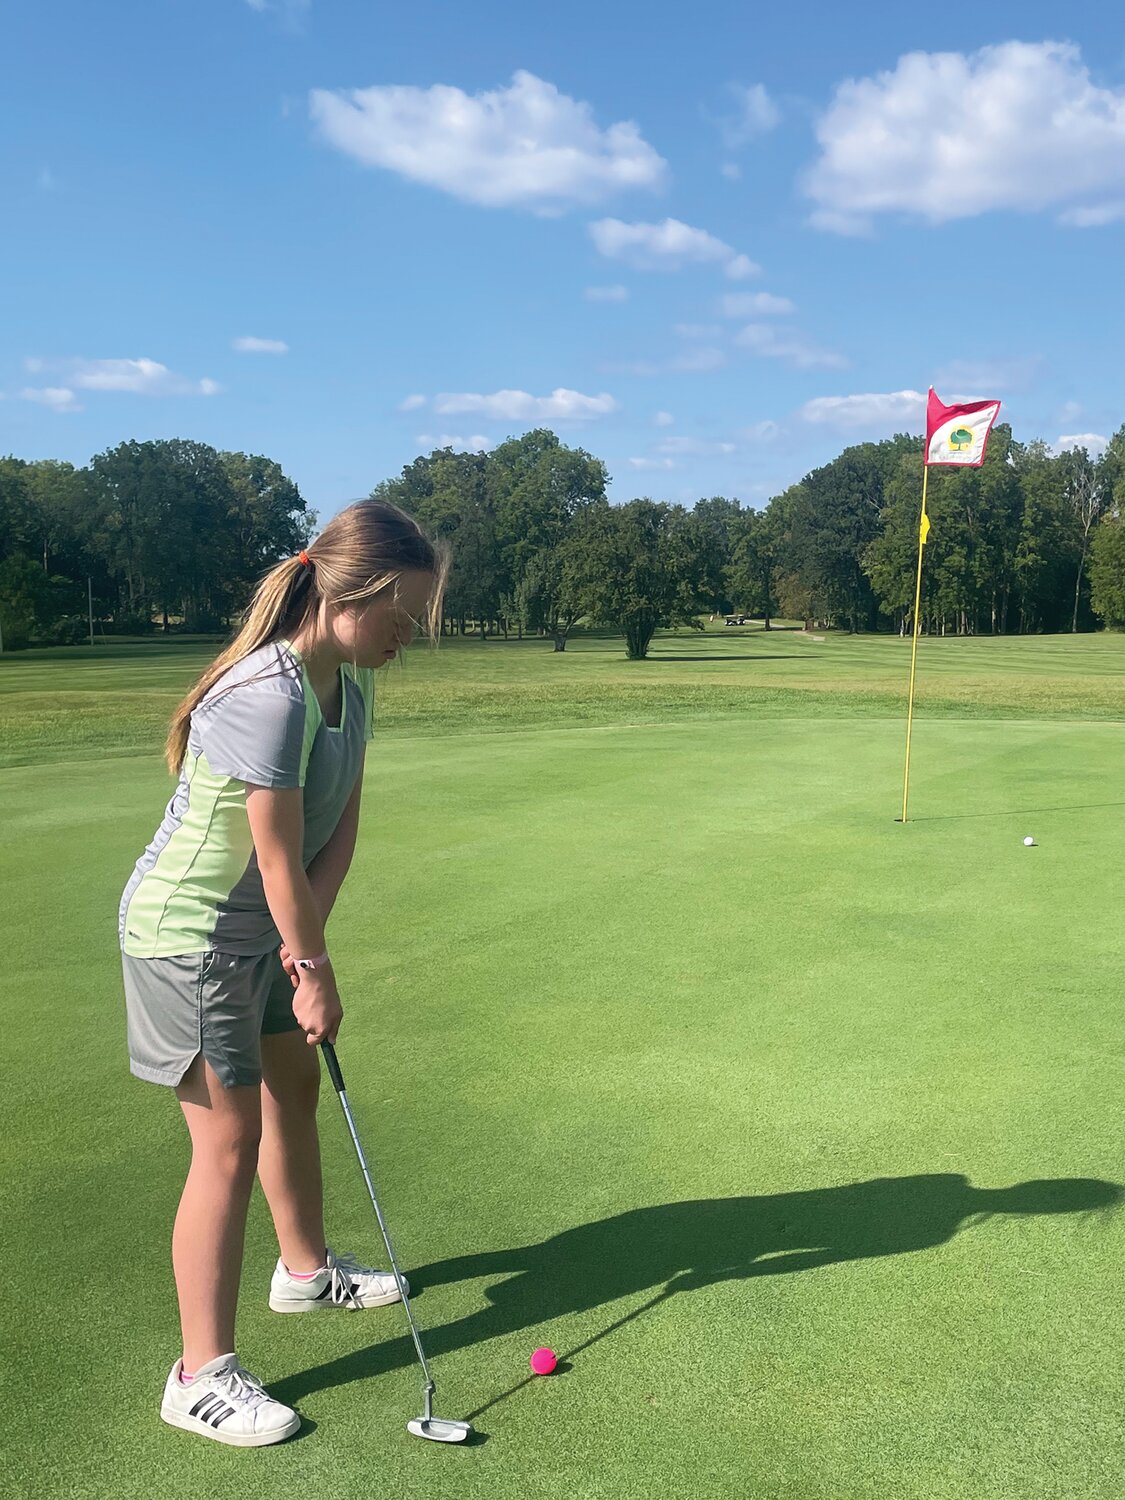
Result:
[[914, 647]]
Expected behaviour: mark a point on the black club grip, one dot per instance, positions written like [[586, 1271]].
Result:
[[333, 1066]]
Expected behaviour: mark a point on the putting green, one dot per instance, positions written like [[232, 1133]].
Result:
[[669, 1047]]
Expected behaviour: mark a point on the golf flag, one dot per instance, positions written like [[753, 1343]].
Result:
[[958, 434], [924, 530]]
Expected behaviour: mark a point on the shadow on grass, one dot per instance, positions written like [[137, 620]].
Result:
[[717, 661], [1023, 812], [674, 1248]]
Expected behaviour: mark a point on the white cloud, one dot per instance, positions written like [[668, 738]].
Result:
[[477, 444], [740, 267], [731, 171], [695, 446], [761, 432], [652, 463], [411, 403], [1094, 217], [250, 345], [764, 339], [1093, 442], [1070, 411], [690, 362], [697, 330], [517, 406], [57, 397], [948, 135], [526, 145], [755, 114], [664, 419], [970, 379], [754, 305], [893, 411], [291, 12], [138, 377], [606, 294], [667, 247]]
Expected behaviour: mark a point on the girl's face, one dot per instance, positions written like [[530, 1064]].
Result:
[[373, 632]]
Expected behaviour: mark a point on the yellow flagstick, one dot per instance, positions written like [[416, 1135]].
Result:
[[923, 532]]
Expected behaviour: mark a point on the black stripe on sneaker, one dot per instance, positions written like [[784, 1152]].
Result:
[[208, 1406], [221, 1415], [320, 1296], [201, 1403]]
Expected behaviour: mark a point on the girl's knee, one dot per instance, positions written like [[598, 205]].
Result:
[[230, 1151]]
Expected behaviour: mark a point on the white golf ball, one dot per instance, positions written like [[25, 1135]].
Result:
[[1029, 841]]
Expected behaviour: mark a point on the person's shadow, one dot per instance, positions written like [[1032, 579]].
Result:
[[679, 1247]]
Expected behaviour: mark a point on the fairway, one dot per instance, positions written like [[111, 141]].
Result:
[[670, 1050]]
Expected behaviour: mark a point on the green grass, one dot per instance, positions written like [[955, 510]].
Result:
[[646, 993], [65, 704]]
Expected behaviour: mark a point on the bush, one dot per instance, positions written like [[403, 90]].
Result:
[[133, 622], [67, 630], [15, 627]]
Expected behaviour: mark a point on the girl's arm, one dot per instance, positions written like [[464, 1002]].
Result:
[[277, 826], [331, 864]]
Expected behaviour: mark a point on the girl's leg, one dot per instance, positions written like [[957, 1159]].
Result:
[[207, 1242], [289, 1159]]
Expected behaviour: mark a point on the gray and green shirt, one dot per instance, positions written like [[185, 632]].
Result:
[[197, 886]]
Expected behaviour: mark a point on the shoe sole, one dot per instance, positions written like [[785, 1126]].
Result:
[[309, 1304], [187, 1423]]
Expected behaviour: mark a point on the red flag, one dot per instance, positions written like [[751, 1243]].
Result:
[[958, 434]]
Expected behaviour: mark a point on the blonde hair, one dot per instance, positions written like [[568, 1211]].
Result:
[[362, 551]]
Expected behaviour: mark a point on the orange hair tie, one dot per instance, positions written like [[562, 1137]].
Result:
[[303, 557]]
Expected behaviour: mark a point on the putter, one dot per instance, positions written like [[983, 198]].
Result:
[[436, 1429]]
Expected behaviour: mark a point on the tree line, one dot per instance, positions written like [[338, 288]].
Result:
[[152, 532], [174, 535]]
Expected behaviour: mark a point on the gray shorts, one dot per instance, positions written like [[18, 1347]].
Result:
[[215, 1003]]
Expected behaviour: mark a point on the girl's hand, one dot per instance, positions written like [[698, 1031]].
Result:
[[288, 963], [317, 1006]]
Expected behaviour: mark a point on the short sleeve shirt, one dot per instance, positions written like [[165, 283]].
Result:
[[197, 886]]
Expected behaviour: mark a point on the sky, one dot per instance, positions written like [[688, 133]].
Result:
[[711, 244]]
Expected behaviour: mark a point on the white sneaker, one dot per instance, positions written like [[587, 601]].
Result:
[[226, 1403], [340, 1283]]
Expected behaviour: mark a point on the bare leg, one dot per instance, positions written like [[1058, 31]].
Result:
[[289, 1159], [210, 1229]]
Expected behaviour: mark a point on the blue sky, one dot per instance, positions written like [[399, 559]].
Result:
[[712, 246]]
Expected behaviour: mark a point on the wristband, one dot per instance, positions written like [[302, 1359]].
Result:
[[312, 964]]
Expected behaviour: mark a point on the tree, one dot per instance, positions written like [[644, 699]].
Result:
[[188, 530], [538, 488], [751, 573], [1107, 571], [17, 513], [268, 521], [714, 528], [634, 562], [25, 595], [836, 514], [1046, 552], [1086, 493]]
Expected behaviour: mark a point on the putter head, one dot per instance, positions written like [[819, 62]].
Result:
[[439, 1431]]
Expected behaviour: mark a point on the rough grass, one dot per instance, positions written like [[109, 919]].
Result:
[[64, 704]]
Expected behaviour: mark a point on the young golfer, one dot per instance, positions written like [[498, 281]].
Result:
[[229, 987]]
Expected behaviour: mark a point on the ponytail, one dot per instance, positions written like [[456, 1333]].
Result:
[[361, 551]]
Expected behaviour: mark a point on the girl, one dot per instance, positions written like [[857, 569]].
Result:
[[228, 984]]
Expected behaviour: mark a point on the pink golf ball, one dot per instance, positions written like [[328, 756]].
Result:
[[543, 1361]]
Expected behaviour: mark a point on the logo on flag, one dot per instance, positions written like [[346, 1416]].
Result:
[[958, 434]]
